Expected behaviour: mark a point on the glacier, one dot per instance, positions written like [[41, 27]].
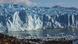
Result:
[[42, 20]]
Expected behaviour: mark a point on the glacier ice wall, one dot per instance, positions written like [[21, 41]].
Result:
[[15, 17]]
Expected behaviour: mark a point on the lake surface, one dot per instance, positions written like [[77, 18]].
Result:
[[44, 33]]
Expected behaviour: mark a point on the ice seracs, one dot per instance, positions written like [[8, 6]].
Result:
[[16, 24]]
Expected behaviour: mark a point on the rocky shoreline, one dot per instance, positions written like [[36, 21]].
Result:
[[5, 39]]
